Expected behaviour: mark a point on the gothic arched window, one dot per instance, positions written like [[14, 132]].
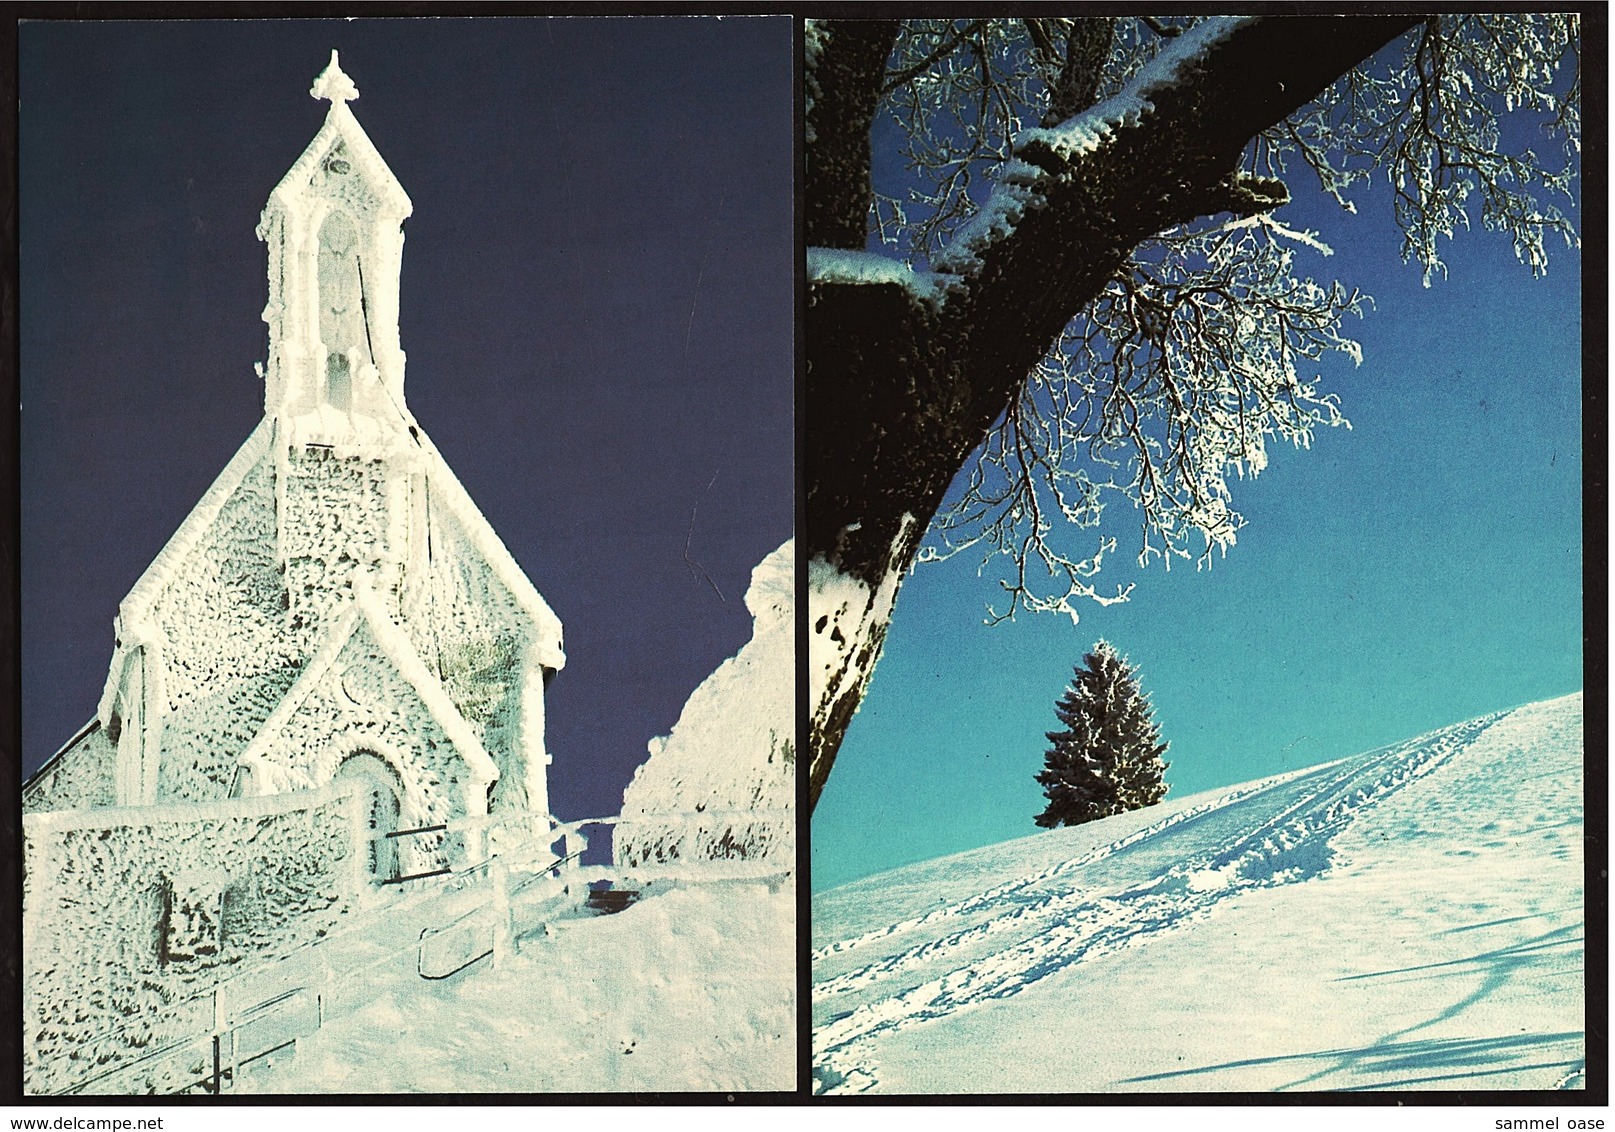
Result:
[[342, 329]]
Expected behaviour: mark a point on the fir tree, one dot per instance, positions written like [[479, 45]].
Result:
[[1108, 759]]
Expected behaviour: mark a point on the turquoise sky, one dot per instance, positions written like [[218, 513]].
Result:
[[1418, 570]]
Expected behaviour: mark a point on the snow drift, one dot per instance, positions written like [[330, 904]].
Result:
[[1411, 917], [722, 786], [691, 990]]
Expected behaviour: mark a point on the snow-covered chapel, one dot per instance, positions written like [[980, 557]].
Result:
[[324, 713], [334, 647], [335, 605]]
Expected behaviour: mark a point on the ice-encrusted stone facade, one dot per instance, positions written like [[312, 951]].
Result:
[[133, 914], [335, 591], [335, 622]]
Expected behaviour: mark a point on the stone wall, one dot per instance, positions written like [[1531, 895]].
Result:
[[467, 626], [226, 658], [132, 916], [78, 778]]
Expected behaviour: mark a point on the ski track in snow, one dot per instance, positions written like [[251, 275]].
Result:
[[1015, 934]]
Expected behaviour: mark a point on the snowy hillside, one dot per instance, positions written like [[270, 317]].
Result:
[[1407, 918]]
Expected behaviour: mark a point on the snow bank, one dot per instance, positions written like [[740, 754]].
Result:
[[723, 784], [689, 990]]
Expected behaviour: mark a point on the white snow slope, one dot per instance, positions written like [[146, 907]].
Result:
[[691, 989], [1409, 918]]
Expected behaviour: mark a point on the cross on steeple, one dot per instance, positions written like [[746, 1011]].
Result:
[[333, 84]]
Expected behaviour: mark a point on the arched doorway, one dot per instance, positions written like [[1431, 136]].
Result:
[[379, 791]]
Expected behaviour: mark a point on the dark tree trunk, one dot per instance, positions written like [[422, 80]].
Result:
[[843, 89], [900, 393]]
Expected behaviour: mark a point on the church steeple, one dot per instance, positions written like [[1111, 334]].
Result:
[[334, 227]]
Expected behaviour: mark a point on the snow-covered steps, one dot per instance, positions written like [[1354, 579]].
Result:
[[997, 970]]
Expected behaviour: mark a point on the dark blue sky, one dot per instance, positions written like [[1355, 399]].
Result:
[[596, 302], [1420, 569]]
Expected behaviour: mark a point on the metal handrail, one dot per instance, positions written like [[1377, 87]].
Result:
[[417, 876], [412, 832], [128, 1066], [510, 856]]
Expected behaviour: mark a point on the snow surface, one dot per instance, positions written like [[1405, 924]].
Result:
[[723, 784], [837, 265], [693, 989], [1411, 917]]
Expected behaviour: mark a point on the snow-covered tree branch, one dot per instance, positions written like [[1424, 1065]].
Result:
[[1081, 292]]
